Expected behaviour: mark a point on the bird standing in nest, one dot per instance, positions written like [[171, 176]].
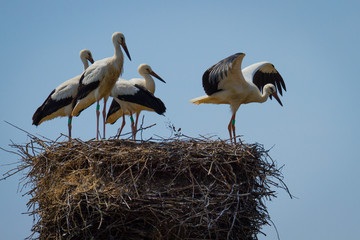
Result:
[[226, 83]]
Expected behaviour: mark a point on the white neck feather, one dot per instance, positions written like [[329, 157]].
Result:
[[266, 93], [118, 53], [264, 97], [149, 82], [85, 62]]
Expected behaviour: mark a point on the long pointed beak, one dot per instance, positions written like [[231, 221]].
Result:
[[91, 60], [157, 76], [126, 50], [277, 98]]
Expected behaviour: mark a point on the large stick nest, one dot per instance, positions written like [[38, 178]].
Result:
[[171, 189]]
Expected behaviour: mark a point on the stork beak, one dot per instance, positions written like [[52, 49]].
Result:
[[157, 76], [276, 97], [91, 60], [126, 50]]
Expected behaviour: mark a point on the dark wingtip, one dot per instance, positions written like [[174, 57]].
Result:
[[114, 107], [36, 118], [160, 109]]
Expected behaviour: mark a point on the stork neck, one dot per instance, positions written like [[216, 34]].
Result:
[[149, 83], [85, 62], [118, 53], [264, 97]]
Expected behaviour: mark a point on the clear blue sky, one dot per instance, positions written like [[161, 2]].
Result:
[[313, 44]]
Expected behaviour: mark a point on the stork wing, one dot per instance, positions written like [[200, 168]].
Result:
[[60, 97], [114, 112], [217, 76], [139, 95], [263, 73], [67, 89], [91, 77]]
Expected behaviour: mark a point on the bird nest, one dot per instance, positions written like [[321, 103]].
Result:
[[170, 189]]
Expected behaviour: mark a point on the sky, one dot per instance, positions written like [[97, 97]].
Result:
[[313, 44]]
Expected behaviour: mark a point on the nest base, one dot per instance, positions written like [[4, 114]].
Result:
[[119, 189]]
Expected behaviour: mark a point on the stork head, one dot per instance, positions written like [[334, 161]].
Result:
[[146, 69], [270, 90], [85, 54], [119, 38]]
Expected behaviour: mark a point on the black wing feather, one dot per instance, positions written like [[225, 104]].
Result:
[[114, 107], [260, 79], [48, 107], [216, 73], [145, 98], [85, 89]]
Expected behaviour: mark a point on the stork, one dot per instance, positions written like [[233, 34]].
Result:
[[226, 83], [59, 102], [130, 97], [97, 81]]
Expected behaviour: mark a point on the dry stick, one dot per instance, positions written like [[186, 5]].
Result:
[[140, 129], [13, 152], [134, 183], [12, 172], [29, 134], [180, 203]]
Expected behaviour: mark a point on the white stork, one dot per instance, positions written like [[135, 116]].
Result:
[[59, 102], [98, 80], [134, 96], [226, 83]]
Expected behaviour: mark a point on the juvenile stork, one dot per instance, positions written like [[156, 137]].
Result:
[[59, 102], [134, 96], [98, 80], [226, 83]]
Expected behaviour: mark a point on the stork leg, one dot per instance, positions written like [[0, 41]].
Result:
[[122, 126], [136, 122], [231, 128], [104, 115], [69, 126], [132, 126], [97, 119]]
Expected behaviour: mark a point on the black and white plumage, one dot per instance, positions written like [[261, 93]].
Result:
[[139, 95], [132, 98], [130, 106], [59, 102], [226, 83], [98, 80]]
